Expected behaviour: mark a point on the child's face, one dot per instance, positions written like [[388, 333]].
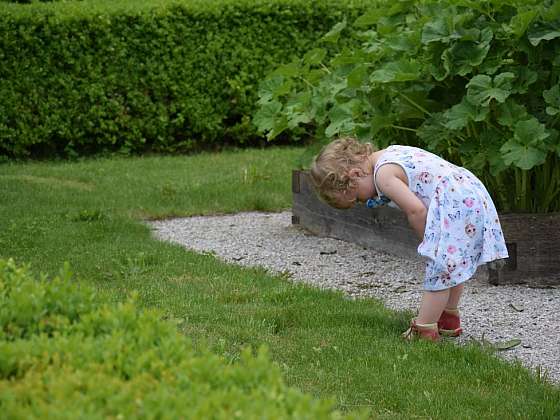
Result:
[[363, 190]]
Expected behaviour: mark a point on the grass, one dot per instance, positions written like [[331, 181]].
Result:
[[90, 213]]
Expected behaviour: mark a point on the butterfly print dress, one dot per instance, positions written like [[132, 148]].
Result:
[[462, 226]]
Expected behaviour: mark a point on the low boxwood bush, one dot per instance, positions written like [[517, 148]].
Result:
[[66, 355], [80, 77]]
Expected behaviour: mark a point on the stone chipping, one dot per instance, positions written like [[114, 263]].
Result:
[[495, 314]]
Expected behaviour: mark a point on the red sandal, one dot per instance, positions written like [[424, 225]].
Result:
[[449, 323], [422, 331]]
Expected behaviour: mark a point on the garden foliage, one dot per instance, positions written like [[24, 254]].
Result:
[[477, 82], [80, 77], [64, 355]]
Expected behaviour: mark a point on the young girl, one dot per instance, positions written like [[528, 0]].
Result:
[[446, 205]]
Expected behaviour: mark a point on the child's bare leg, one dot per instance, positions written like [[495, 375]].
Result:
[[433, 304], [454, 296]]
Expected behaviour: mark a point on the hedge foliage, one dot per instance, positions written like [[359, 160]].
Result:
[[477, 82], [64, 355], [80, 77]]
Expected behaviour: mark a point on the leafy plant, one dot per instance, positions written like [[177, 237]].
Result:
[[475, 82], [59, 344]]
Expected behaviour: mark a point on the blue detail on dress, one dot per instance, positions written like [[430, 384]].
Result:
[[373, 203], [462, 226]]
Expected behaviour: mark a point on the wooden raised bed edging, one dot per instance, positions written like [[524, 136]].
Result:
[[533, 240]]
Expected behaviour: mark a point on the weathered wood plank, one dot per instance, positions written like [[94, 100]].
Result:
[[384, 228]]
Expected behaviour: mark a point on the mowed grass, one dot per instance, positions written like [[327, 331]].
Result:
[[91, 214]]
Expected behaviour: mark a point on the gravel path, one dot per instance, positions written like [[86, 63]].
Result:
[[495, 313]]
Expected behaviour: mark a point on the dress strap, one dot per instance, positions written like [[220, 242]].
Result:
[[380, 162], [381, 199]]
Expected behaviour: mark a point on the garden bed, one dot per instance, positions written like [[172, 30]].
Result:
[[533, 240]]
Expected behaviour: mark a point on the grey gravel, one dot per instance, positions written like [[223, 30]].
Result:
[[495, 314]]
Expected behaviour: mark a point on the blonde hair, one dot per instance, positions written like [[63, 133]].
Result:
[[330, 168]]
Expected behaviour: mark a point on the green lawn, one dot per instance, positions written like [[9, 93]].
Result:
[[90, 214]]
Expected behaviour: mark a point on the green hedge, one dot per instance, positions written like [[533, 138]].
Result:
[[66, 356], [91, 76]]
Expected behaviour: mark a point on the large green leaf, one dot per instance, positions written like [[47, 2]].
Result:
[[481, 89], [529, 132], [458, 116], [314, 76], [519, 23], [348, 57], [448, 24], [271, 88], [463, 56], [527, 148], [370, 18], [363, 132], [292, 69], [434, 133], [397, 71], [437, 69], [477, 155], [334, 33], [552, 99], [341, 118], [524, 77], [341, 122], [373, 16], [510, 113], [523, 156], [265, 118], [319, 102], [315, 56], [278, 127], [297, 109], [335, 86], [493, 62], [406, 41], [439, 30], [357, 76], [295, 119], [543, 32]]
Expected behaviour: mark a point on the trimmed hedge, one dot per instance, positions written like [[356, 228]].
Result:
[[92, 76], [66, 356]]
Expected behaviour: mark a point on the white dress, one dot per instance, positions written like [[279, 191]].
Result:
[[462, 226]]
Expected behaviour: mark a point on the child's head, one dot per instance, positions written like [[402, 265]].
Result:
[[331, 170]]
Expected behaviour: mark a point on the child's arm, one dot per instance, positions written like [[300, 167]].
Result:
[[390, 181]]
